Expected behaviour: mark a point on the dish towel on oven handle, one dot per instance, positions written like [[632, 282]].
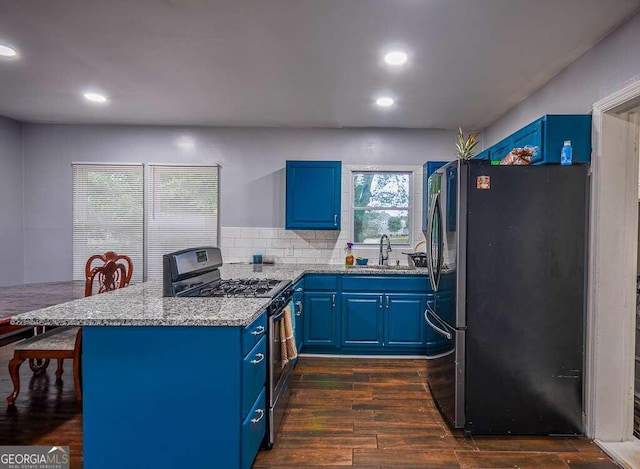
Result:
[[288, 348]]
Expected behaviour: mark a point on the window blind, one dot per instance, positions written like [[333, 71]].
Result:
[[182, 211], [107, 214]]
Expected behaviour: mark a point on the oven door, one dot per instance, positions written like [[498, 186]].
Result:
[[276, 368], [445, 371]]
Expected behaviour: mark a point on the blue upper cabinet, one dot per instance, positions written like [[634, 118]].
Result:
[[313, 195], [548, 134]]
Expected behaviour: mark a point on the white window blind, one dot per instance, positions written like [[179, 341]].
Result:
[[182, 211], [107, 214]]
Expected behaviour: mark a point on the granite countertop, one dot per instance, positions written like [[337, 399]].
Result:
[[144, 305]]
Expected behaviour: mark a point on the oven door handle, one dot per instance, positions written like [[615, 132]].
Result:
[[434, 327], [277, 316]]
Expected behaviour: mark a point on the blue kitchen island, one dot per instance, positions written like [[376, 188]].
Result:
[[179, 382]]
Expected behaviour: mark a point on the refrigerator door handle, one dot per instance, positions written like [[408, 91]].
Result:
[[436, 328], [435, 221]]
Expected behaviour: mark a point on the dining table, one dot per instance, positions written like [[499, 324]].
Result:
[[17, 299]]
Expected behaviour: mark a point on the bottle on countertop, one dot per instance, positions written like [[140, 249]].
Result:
[[566, 154], [349, 259]]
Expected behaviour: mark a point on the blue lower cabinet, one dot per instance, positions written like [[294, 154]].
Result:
[[320, 324], [362, 319], [166, 412], [404, 320], [253, 430], [254, 374]]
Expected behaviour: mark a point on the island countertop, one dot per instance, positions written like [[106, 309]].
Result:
[[144, 305]]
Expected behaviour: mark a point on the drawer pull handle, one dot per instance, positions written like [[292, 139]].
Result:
[[260, 358], [299, 305], [299, 289], [259, 330], [261, 413]]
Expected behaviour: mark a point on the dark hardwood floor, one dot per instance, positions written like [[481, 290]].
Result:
[[365, 413], [378, 413]]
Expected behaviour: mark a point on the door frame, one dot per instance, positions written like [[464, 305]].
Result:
[[613, 259]]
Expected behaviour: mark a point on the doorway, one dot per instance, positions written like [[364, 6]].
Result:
[[613, 269]]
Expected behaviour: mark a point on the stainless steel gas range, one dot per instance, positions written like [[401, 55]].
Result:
[[196, 273]]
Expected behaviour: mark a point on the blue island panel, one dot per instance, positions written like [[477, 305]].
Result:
[[161, 397]]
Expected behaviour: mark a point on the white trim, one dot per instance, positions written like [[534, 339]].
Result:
[[621, 97], [415, 202], [613, 248]]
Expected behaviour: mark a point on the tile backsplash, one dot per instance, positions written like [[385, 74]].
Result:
[[295, 246]]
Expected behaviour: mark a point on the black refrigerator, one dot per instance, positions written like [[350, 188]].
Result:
[[507, 252]]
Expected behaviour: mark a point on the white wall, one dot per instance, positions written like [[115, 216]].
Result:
[[252, 176], [607, 67], [11, 188]]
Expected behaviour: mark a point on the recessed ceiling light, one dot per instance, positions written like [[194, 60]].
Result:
[[94, 97], [396, 58], [8, 52], [385, 101]]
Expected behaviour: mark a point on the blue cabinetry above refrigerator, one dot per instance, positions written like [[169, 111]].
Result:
[[548, 133]]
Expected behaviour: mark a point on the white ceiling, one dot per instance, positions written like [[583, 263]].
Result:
[[313, 63]]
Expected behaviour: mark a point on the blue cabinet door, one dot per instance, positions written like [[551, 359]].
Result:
[[320, 325], [558, 128], [483, 155], [404, 323], [362, 319], [531, 135], [501, 149], [313, 195], [445, 307]]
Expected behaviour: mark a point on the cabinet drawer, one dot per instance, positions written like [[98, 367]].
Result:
[[254, 374], [321, 282], [385, 283], [252, 333], [253, 430]]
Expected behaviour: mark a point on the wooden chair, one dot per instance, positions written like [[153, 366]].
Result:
[[111, 277], [66, 342]]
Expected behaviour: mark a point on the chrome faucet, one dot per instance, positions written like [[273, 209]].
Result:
[[384, 253]]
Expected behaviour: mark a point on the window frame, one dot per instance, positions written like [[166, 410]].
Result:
[[410, 207]]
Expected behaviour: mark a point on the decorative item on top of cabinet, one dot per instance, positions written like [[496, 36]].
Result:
[[313, 195], [465, 145]]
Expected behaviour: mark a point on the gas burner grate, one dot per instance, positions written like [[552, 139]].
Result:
[[240, 287]]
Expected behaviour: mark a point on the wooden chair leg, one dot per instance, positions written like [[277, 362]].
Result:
[[59, 370], [14, 372]]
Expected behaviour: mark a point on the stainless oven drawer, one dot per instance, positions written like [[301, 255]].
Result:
[[252, 333], [254, 374]]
